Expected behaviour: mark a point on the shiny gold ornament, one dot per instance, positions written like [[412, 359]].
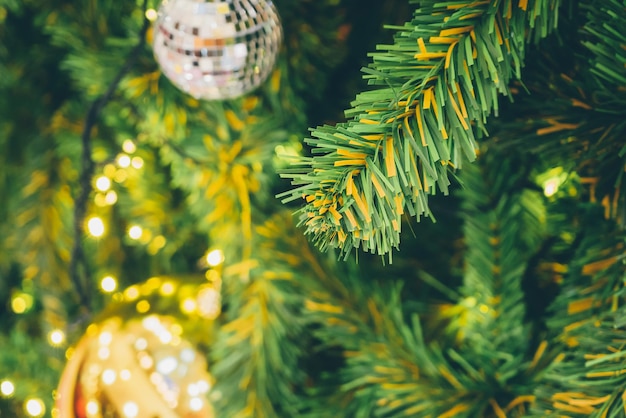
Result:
[[143, 365]]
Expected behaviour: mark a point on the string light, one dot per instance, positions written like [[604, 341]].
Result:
[[109, 170], [56, 337], [108, 284], [188, 306], [131, 293], [34, 407], [7, 388], [551, 186], [19, 303], [103, 183], [110, 198], [100, 200], [120, 176], [137, 162], [151, 15], [123, 161], [142, 306], [215, 258], [129, 146], [167, 289], [95, 226], [135, 232]]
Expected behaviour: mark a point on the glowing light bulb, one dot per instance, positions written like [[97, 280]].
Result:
[[110, 198], [188, 306], [7, 388], [215, 258], [143, 306], [123, 161], [151, 15], [167, 289], [135, 232], [120, 176], [137, 162], [18, 304], [131, 293], [108, 284], [56, 337], [100, 200], [109, 170], [130, 409], [129, 146], [551, 186], [34, 407], [103, 183], [95, 226]]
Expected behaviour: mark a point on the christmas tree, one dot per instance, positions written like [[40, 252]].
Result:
[[451, 245]]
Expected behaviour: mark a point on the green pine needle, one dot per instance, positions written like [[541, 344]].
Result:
[[436, 86]]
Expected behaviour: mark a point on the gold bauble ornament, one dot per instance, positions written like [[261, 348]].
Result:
[[146, 358]]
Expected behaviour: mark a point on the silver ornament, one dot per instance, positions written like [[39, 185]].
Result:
[[216, 49]]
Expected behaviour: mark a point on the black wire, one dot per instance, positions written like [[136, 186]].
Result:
[[81, 281]]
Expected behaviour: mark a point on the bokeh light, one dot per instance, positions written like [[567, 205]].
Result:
[[56, 337], [95, 226], [108, 284], [215, 258], [7, 388], [34, 407]]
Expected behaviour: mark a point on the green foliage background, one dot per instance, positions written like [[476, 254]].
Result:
[[509, 305]]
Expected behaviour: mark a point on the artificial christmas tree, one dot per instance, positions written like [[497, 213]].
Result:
[[503, 120]]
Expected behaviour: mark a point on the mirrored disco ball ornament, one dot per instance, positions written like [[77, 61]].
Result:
[[215, 49]]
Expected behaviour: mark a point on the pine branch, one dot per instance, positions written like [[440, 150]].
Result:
[[605, 41], [81, 280], [504, 226], [258, 351], [441, 80], [31, 362], [574, 116], [391, 371], [588, 320]]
